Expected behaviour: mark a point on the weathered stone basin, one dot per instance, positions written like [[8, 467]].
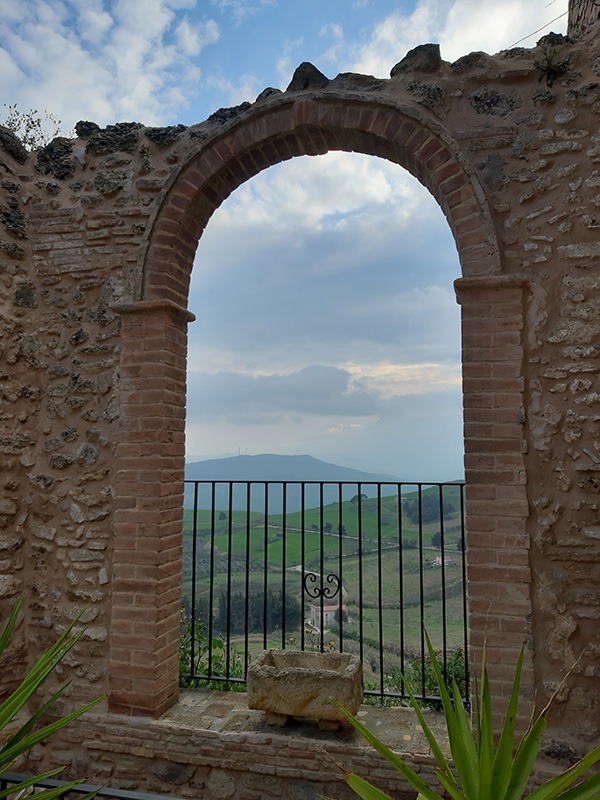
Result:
[[291, 683]]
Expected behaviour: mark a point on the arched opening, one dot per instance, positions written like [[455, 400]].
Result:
[[327, 332], [326, 322], [147, 530]]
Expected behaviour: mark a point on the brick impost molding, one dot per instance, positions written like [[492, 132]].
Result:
[[150, 306], [485, 282]]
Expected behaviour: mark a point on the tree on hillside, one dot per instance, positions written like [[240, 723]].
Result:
[[357, 497], [231, 615], [429, 509]]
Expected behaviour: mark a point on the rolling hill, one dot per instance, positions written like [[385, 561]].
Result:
[[271, 467]]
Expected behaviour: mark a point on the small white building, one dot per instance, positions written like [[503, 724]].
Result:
[[329, 613], [437, 562]]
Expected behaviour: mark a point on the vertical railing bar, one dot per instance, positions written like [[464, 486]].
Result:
[[266, 562], [322, 550], [302, 562], [340, 567], [283, 563], [360, 575], [247, 580], [421, 586], [193, 598], [443, 580], [380, 589], [463, 534], [401, 584], [229, 554], [211, 580]]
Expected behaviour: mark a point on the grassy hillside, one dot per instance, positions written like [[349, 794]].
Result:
[[385, 560]]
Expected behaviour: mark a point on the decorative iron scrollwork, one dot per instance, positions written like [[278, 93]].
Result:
[[326, 592]]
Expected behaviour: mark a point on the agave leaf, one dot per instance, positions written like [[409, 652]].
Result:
[[589, 789], [450, 785], [35, 677], [365, 789], [392, 758], [57, 791], [10, 625], [9, 753], [18, 787], [35, 717], [524, 759], [503, 759], [436, 750], [460, 736], [485, 741], [556, 786], [465, 750]]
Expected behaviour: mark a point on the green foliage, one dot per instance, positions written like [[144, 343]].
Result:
[[222, 663], [428, 510], [33, 128], [436, 539], [483, 769], [20, 737], [260, 615], [549, 66], [422, 683]]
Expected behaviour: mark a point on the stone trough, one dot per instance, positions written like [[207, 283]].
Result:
[[291, 683]]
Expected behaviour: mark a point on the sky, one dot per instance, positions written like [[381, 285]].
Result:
[[323, 288]]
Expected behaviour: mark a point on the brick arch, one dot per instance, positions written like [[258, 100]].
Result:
[[149, 457], [285, 129]]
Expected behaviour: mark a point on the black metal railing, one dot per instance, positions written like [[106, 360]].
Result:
[[8, 779], [355, 567]]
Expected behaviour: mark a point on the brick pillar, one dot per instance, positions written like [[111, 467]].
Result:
[[148, 482], [582, 14], [499, 576]]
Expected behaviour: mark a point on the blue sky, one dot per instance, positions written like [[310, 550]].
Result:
[[323, 287]]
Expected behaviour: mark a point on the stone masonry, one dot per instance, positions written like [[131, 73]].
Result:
[[97, 240]]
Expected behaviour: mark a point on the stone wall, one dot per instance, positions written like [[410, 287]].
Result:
[[97, 239]]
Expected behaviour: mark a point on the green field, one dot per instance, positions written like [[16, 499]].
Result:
[[388, 565]]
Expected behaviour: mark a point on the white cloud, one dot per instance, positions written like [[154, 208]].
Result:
[[491, 26], [287, 61], [459, 26], [240, 9], [244, 89], [194, 38], [93, 22], [132, 59], [334, 32], [316, 193], [396, 35], [387, 380]]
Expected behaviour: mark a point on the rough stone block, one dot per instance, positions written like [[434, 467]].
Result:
[[291, 683]]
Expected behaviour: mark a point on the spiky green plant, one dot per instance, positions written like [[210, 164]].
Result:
[[482, 769], [18, 737]]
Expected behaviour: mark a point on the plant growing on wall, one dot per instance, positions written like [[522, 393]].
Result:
[[16, 736], [33, 128], [483, 769], [549, 66]]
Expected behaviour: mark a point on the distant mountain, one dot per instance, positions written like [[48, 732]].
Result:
[[270, 467]]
